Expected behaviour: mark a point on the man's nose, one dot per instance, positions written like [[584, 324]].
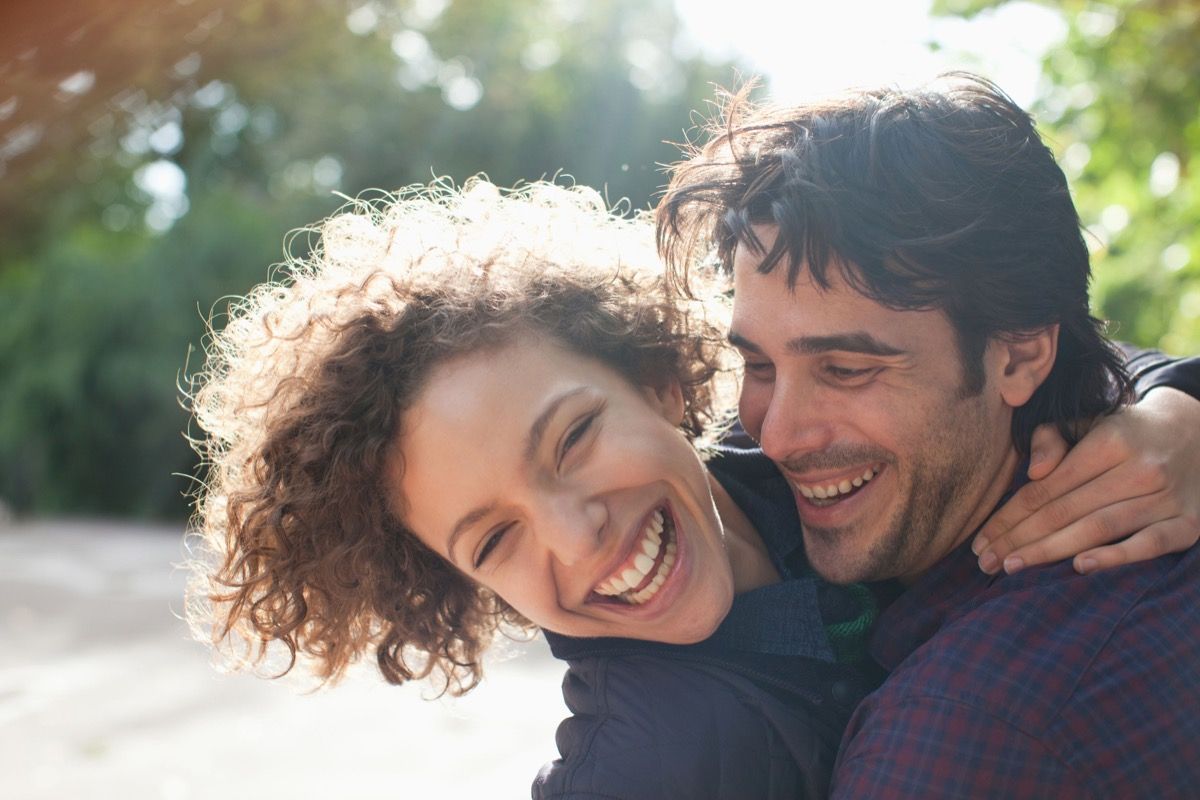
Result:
[[572, 528], [796, 422]]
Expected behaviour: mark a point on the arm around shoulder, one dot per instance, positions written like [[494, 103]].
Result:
[[1129, 491]]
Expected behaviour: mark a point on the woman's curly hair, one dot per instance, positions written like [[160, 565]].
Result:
[[303, 394]]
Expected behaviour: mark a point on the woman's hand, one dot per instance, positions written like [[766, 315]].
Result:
[[1128, 491]]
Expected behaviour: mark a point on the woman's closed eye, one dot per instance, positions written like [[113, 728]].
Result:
[[490, 542], [576, 433]]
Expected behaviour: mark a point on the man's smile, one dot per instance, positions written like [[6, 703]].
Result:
[[828, 490]]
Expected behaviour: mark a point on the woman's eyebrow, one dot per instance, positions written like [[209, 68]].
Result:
[[467, 520], [537, 431]]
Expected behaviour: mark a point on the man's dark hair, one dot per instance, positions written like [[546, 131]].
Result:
[[943, 197]]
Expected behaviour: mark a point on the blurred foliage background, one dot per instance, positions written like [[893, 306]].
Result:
[[1120, 102], [154, 152]]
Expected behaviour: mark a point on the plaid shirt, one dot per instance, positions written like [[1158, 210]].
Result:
[[1041, 684]]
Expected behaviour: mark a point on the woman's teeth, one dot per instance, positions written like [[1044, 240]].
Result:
[[640, 579], [836, 490]]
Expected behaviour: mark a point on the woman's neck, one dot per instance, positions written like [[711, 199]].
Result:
[[748, 557]]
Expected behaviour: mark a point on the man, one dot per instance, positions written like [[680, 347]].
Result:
[[910, 290]]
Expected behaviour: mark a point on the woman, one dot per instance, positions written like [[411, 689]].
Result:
[[473, 411]]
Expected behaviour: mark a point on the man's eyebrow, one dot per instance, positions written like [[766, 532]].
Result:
[[537, 432], [742, 343], [855, 342]]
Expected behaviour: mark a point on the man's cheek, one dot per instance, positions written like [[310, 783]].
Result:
[[752, 408]]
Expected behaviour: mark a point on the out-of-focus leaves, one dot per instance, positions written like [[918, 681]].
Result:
[[1120, 102], [154, 152], [91, 340]]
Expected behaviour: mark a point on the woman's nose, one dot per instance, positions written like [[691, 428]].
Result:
[[572, 529]]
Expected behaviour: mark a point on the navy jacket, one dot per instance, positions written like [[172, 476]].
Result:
[[650, 724]]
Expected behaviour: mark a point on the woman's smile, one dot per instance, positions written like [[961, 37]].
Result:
[[647, 565]]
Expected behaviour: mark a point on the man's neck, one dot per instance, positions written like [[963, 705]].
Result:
[[997, 482]]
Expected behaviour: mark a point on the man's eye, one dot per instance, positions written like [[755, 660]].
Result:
[[758, 369], [490, 543], [849, 373]]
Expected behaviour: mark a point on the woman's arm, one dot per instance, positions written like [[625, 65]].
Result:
[[1128, 491]]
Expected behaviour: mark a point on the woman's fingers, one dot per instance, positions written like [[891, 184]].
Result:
[[1047, 449], [1086, 532], [1167, 536], [1086, 508], [1149, 453], [1090, 460]]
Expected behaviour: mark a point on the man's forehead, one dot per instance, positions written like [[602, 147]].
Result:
[[792, 270], [807, 319], [805, 296]]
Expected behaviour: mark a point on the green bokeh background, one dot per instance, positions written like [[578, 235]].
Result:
[[268, 107]]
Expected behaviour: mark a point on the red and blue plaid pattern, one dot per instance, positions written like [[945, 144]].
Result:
[[1041, 684]]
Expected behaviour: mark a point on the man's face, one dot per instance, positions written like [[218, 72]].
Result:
[[862, 407]]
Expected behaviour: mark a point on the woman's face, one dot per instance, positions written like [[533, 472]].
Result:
[[552, 480]]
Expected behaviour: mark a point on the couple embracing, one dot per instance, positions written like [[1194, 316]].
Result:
[[478, 409]]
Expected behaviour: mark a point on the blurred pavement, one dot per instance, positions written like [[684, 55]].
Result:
[[104, 695]]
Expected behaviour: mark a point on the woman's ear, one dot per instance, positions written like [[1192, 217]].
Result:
[[1024, 363], [667, 399]]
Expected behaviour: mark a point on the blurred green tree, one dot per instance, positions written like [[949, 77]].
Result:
[[1120, 100], [154, 153]]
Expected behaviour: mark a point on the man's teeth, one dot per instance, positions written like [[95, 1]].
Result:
[[644, 563], [845, 486]]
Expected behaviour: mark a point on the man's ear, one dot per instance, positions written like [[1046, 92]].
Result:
[[1024, 363], [667, 399]]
